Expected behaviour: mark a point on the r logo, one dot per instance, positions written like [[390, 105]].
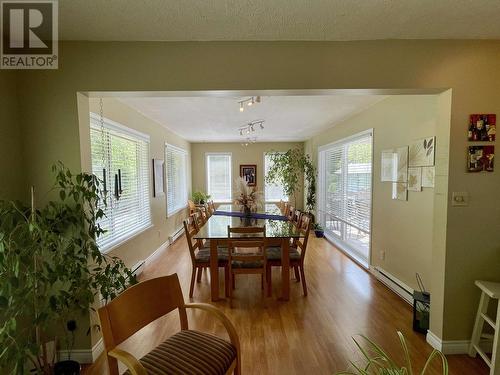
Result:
[[29, 28]]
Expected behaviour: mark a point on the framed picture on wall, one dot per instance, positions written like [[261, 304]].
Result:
[[249, 173], [482, 127]]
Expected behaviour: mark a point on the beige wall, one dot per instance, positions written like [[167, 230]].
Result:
[[404, 230], [253, 154], [144, 244], [469, 249], [12, 186]]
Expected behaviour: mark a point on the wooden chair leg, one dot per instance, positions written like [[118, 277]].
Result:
[[297, 274], [303, 277], [269, 277], [198, 278], [191, 287], [230, 290], [262, 281]]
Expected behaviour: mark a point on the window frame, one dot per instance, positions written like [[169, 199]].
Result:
[[285, 197], [321, 208], [207, 174], [135, 135], [185, 154]]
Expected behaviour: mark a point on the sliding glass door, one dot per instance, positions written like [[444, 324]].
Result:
[[345, 194]]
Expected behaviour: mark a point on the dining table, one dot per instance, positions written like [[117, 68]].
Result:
[[279, 231]]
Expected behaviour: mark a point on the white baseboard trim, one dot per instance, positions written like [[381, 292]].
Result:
[[393, 283], [84, 356], [97, 349], [455, 346]]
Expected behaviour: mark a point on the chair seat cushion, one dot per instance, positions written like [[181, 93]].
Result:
[[274, 253], [242, 264], [190, 352], [203, 255]]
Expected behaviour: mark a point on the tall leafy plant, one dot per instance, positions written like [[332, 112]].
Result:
[[288, 168], [51, 267]]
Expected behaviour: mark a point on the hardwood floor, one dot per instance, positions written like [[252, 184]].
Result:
[[307, 335]]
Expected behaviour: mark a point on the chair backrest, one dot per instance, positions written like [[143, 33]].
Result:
[[291, 213], [140, 305], [197, 219], [286, 207], [247, 231], [305, 229], [190, 228], [192, 206], [252, 237], [297, 216]]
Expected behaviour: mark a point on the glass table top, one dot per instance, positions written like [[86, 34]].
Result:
[[216, 226]]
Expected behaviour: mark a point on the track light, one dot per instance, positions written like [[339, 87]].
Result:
[[249, 102]]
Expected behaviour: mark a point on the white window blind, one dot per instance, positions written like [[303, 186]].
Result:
[[176, 179], [121, 154], [272, 192], [218, 166], [345, 192]]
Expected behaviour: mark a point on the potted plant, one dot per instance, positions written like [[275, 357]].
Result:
[[200, 197], [378, 362], [288, 168], [318, 230], [51, 268]]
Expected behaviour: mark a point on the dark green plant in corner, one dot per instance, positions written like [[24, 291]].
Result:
[[287, 170], [378, 362], [51, 267]]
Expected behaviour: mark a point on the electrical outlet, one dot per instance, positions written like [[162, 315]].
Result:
[[382, 254], [460, 198]]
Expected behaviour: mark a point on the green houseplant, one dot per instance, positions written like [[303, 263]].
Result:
[[318, 230], [51, 268], [200, 197], [287, 170], [378, 362]]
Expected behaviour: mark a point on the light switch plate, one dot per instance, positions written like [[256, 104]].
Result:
[[460, 198]]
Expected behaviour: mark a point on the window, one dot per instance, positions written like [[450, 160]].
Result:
[[121, 155], [176, 179], [219, 176], [345, 193], [272, 192]]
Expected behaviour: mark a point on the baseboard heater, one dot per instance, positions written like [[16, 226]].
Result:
[[138, 268], [175, 235], [393, 283]]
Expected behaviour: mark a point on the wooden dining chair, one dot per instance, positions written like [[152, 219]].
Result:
[[297, 216], [200, 255], [186, 352], [297, 255], [246, 262], [290, 213], [192, 207], [286, 208]]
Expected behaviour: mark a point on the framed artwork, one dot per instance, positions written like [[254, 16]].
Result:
[[388, 166], [480, 158], [422, 152], [402, 164], [249, 173], [415, 179], [482, 127], [399, 191], [428, 174], [158, 189]]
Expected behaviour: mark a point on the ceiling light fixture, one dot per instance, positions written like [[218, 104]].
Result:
[[249, 102], [250, 127]]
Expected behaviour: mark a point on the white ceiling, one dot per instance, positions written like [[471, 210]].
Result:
[[200, 20], [217, 119]]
